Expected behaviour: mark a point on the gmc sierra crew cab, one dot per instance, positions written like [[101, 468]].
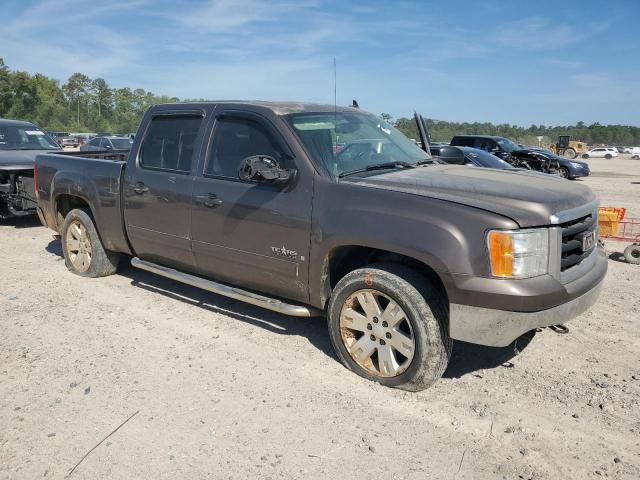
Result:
[[309, 209]]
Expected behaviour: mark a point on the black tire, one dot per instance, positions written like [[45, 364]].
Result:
[[102, 262], [564, 172], [635, 157], [608, 156], [585, 155], [632, 254], [570, 153], [425, 308]]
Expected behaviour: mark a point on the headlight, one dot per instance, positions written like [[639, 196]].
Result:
[[518, 253], [576, 165]]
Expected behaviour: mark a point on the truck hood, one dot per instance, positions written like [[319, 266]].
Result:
[[20, 159], [528, 198]]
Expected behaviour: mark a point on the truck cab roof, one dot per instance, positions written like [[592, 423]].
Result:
[[279, 108]]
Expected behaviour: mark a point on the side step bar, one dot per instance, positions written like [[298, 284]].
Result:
[[227, 291]]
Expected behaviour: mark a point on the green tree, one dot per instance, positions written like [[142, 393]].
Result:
[[76, 90], [24, 95], [6, 93], [102, 94]]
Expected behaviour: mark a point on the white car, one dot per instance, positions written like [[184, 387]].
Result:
[[602, 152], [634, 151]]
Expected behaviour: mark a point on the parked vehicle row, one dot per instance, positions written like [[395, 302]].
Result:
[[65, 139], [255, 201]]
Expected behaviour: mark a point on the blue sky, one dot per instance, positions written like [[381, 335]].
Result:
[[518, 62]]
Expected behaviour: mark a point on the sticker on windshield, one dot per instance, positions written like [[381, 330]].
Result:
[[385, 130], [33, 132]]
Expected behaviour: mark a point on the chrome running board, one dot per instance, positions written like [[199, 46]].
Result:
[[227, 291]]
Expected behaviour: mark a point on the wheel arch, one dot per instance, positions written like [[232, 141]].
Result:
[[343, 259], [63, 203]]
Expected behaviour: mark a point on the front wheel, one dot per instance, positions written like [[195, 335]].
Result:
[[635, 157], [608, 156], [390, 325], [564, 172], [632, 254], [83, 251]]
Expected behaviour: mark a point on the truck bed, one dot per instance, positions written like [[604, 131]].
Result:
[[96, 178]]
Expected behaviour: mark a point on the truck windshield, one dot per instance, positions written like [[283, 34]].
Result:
[[24, 137], [354, 141]]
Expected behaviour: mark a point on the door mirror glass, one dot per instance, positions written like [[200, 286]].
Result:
[[263, 169]]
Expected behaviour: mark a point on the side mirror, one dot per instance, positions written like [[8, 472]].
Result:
[[264, 169], [107, 147]]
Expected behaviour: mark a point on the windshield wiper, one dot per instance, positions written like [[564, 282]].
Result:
[[379, 166], [429, 161]]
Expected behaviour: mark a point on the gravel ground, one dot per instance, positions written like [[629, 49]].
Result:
[[220, 389]]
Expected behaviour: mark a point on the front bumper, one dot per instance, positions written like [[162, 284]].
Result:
[[575, 172], [557, 304]]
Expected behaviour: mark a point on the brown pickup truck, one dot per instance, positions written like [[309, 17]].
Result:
[[310, 209]]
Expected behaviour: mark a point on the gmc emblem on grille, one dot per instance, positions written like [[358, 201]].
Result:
[[588, 241]]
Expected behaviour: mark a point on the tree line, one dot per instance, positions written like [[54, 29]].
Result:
[[594, 134], [83, 104]]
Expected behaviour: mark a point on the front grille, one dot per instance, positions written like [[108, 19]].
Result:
[[572, 233]]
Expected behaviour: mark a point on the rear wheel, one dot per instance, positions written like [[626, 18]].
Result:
[[570, 153], [84, 253], [632, 254], [635, 157], [389, 325], [608, 156]]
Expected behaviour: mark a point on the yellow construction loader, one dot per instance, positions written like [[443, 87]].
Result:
[[568, 148]]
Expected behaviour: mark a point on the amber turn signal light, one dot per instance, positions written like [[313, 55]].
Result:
[[501, 253]]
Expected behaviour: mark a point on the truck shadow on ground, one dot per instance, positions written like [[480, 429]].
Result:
[[467, 358], [28, 221]]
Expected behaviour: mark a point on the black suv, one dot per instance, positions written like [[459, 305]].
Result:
[[498, 146]]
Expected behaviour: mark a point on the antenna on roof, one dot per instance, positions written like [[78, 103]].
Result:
[[335, 86], [335, 107], [354, 104]]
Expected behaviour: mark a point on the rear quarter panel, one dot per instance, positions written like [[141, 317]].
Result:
[[97, 182]]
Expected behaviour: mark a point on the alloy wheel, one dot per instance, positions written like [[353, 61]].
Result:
[[377, 333], [79, 246]]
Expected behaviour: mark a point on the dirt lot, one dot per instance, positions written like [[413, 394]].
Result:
[[225, 390]]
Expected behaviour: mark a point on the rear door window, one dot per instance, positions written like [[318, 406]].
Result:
[[170, 142]]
